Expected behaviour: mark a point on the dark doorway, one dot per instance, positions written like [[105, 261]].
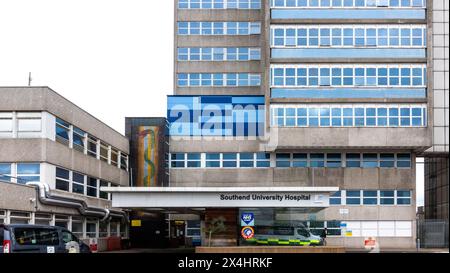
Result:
[[148, 232], [177, 233]]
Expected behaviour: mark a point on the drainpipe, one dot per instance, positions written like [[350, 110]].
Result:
[[45, 197]]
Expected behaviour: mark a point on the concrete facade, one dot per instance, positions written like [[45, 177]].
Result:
[[41, 145], [288, 140]]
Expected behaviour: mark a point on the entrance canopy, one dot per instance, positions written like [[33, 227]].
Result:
[[315, 198]]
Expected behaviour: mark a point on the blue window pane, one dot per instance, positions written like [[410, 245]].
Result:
[[25, 168], [313, 111], [403, 193], [193, 156], [359, 112], [313, 122], [62, 173], [336, 122], [335, 201], [301, 112], [405, 112], [382, 112], [382, 121], [403, 201], [348, 112], [353, 201], [302, 122]]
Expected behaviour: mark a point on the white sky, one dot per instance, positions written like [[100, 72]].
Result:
[[113, 58]]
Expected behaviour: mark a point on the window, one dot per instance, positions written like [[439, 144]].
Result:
[[229, 160], [262, 160], [78, 138], [387, 160], [353, 160], [62, 131], [6, 123], [403, 160], [104, 152], [370, 197], [28, 124], [62, 221], [334, 161], [77, 183], [219, 28], [300, 160], [92, 187], [316, 227], [387, 197], [28, 172], [92, 146], [62, 179], [370, 117], [213, 160], [103, 194], [177, 160], [317, 160], [124, 161], [91, 228], [283, 160], [5, 172], [246, 160], [42, 219], [403, 197], [67, 236], [353, 197], [344, 75], [335, 198], [114, 156], [103, 229], [19, 217], [358, 36], [346, 117], [370, 161], [114, 229], [336, 117], [334, 228], [193, 160], [77, 226], [36, 236]]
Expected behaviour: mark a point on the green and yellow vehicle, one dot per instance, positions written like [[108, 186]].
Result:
[[287, 235]]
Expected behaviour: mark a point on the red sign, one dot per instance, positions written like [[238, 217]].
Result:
[[247, 233], [370, 242]]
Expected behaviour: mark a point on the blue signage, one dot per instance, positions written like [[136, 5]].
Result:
[[247, 219]]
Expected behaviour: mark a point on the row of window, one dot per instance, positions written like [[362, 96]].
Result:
[[80, 226], [290, 160], [349, 36], [349, 116], [219, 4], [78, 139], [219, 54], [220, 160], [20, 173], [76, 182], [348, 75], [348, 3], [20, 124], [219, 28], [338, 160], [371, 197], [218, 79]]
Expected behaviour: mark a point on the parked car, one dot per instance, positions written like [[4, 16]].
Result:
[[19, 238]]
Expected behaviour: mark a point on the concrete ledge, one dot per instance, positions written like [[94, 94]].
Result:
[[271, 249]]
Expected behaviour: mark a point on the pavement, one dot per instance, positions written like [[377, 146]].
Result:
[[192, 250]]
